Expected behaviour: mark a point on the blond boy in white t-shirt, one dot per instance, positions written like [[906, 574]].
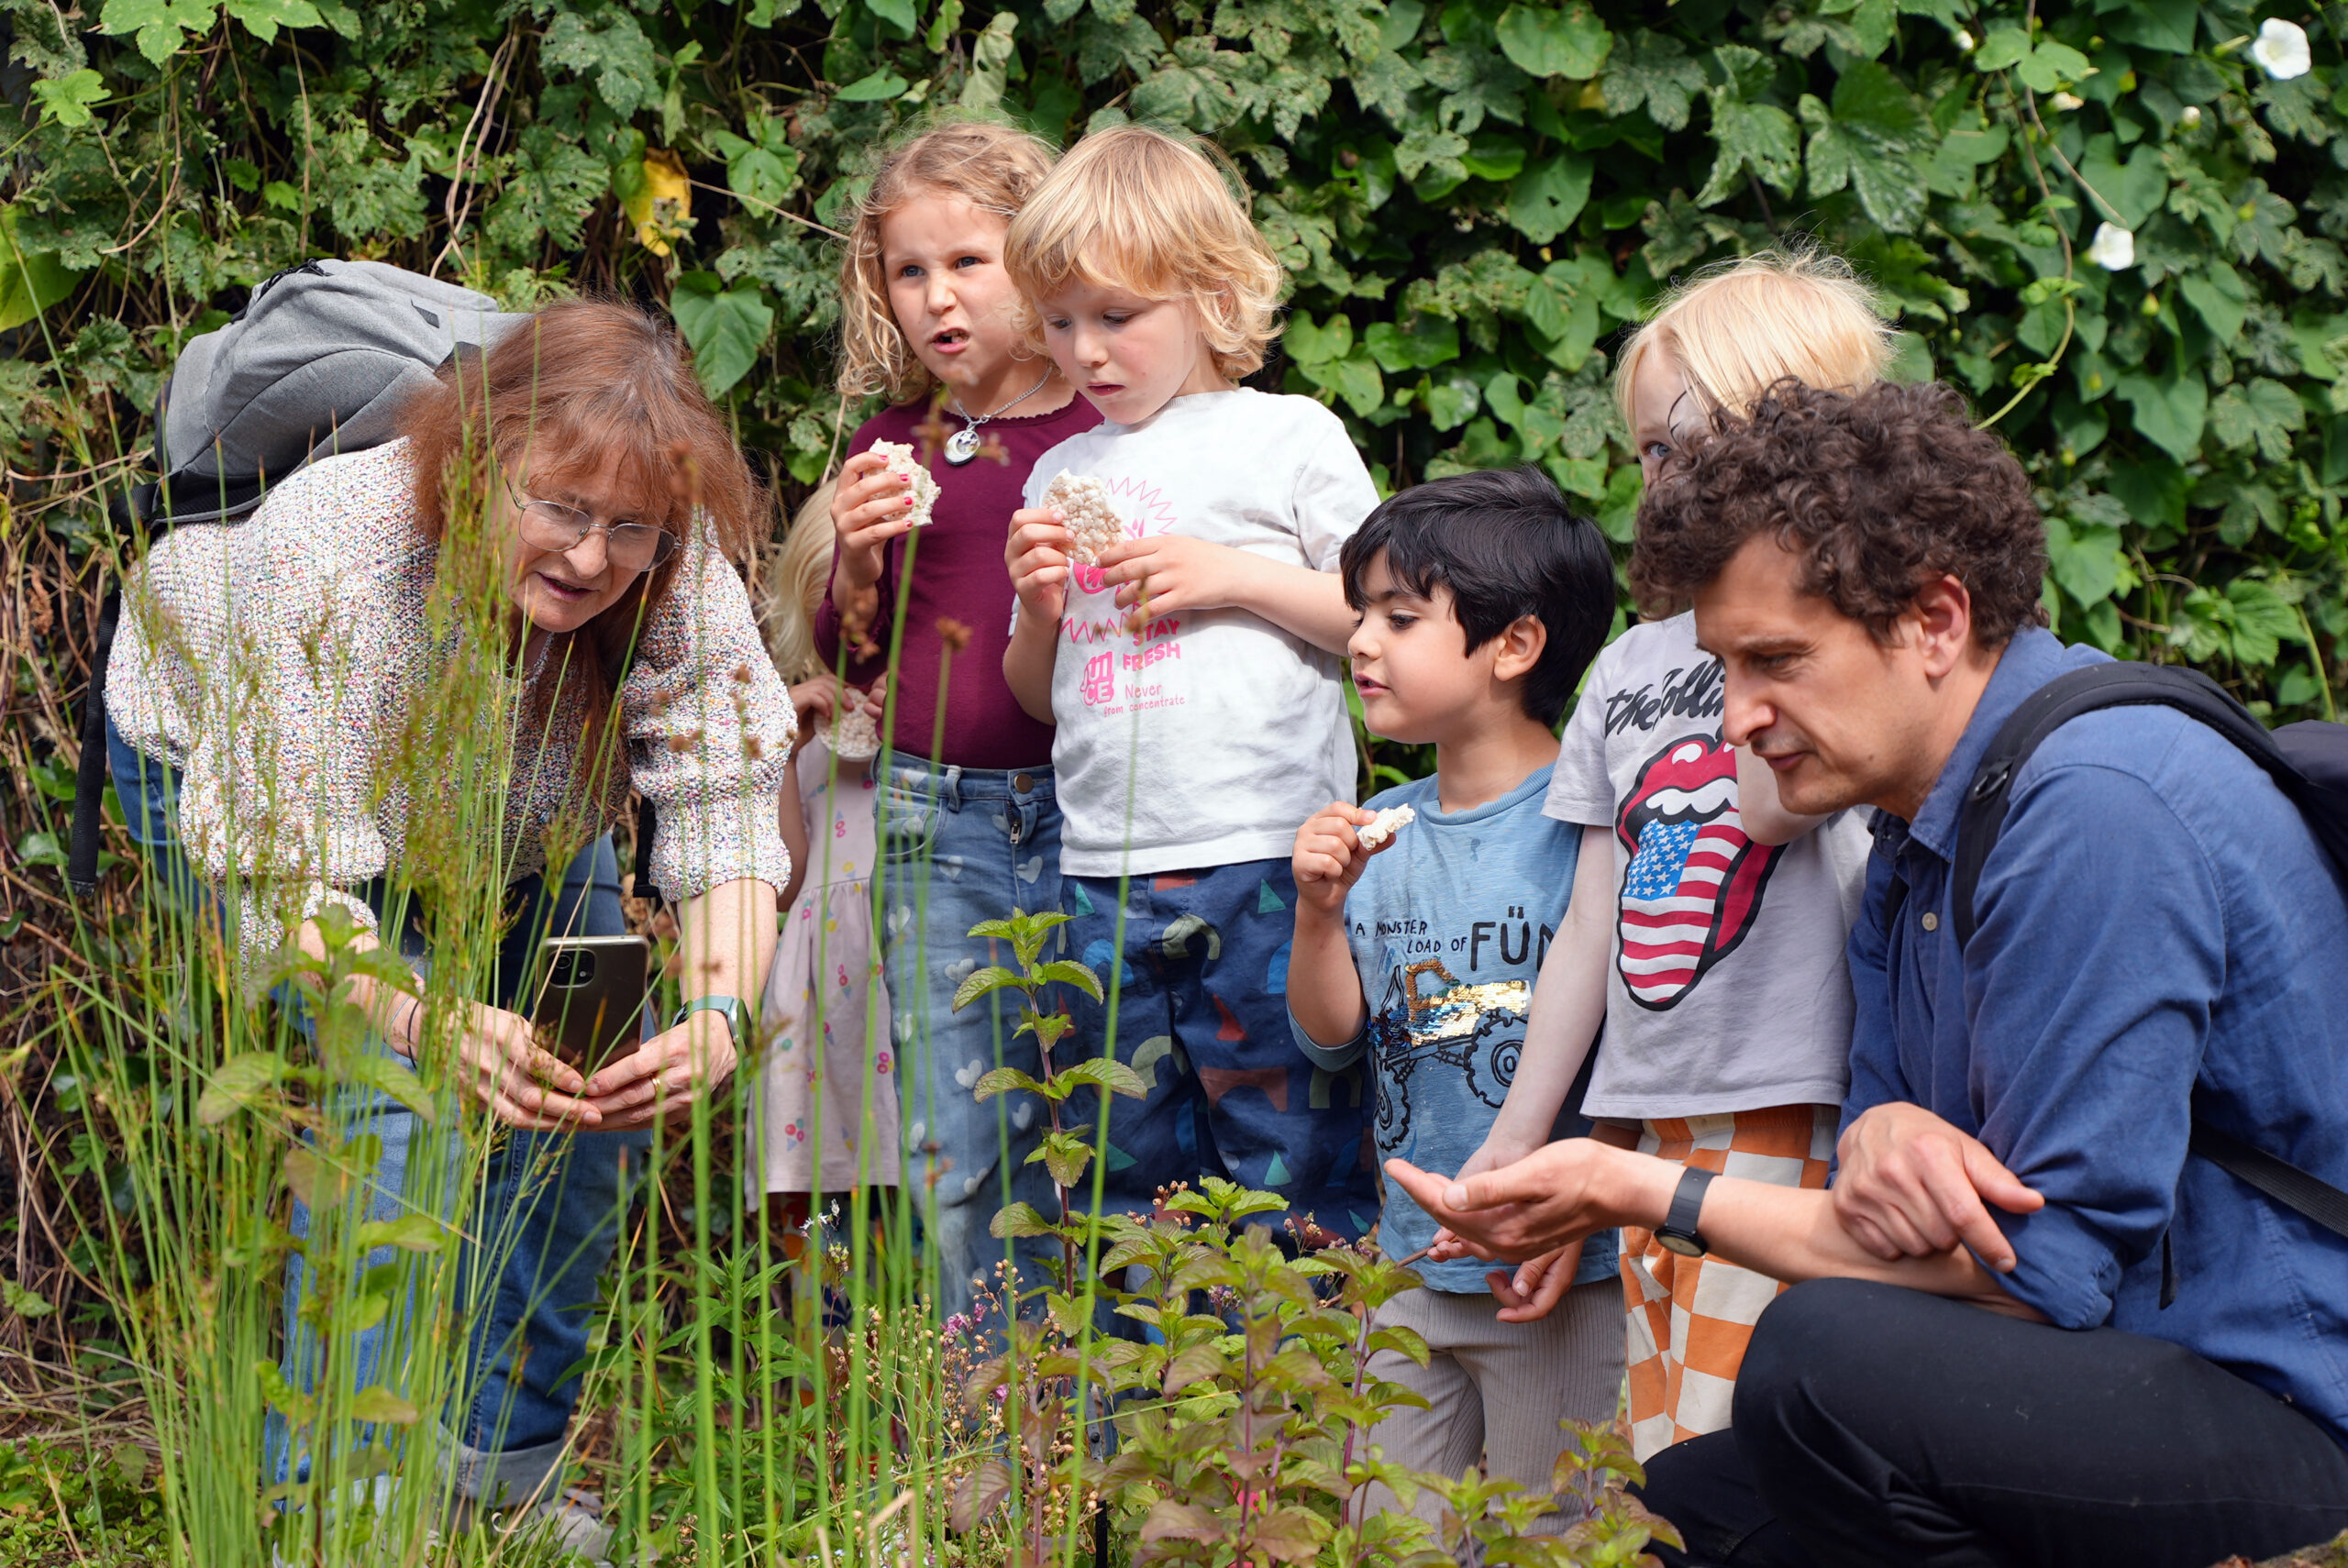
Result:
[[1192, 670]]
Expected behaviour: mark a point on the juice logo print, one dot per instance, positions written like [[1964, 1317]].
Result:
[[1694, 883], [1091, 617]]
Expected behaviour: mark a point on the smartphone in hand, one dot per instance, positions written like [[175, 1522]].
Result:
[[591, 999]]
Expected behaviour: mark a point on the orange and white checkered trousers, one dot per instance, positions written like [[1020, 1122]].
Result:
[[1690, 1319]]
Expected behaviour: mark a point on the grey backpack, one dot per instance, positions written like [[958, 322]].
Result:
[[318, 362]]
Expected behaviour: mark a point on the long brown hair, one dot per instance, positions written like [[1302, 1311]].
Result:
[[584, 379]]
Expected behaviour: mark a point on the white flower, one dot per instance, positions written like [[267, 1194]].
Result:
[[1962, 41], [2113, 248], [2282, 49], [2066, 102], [2191, 117]]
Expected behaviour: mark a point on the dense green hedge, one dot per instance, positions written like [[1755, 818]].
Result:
[[1472, 197]]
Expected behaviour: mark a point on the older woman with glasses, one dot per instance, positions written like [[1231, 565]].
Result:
[[407, 675]]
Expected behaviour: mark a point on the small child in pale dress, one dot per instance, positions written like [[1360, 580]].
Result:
[[828, 1088]]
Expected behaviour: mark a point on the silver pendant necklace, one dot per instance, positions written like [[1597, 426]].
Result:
[[963, 445]]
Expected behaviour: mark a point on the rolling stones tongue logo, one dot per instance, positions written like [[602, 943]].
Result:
[[1694, 883]]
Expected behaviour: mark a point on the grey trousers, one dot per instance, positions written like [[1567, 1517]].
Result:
[[1496, 1390]]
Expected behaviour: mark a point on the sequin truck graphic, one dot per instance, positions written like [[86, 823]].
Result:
[[1694, 883]]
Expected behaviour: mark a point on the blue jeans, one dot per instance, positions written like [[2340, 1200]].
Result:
[[539, 1229], [959, 846]]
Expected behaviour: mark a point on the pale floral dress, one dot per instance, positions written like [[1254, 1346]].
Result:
[[829, 1081]]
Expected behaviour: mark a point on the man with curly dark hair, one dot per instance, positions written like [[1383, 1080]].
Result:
[[2160, 1376]]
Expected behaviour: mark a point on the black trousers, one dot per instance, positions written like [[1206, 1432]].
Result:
[[1875, 1425]]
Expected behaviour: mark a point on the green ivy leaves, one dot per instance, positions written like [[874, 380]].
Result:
[[1470, 197]]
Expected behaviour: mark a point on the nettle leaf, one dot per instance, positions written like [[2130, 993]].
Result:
[[1571, 42], [607, 42], [1654, 71], [1003, 1080], [725, 327], [2264, 414], [2170, 408], [1544, 200], [160, 25], [1870, 142]]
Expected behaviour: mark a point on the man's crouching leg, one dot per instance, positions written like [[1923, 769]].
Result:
[[1877, 1425]]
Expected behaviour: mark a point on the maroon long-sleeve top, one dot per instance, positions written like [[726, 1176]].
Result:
[[958, 574]]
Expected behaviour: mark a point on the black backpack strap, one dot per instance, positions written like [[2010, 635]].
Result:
[[2278, 1178], [1983, 816], [90, 778], [1982, 819]]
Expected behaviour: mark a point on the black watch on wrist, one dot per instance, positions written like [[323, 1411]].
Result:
[[1678, 1230]]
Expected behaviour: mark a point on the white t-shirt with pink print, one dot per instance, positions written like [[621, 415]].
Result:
[[1204, 738]]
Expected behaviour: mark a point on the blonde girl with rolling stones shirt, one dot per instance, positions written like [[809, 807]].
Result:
[[1706, 925]]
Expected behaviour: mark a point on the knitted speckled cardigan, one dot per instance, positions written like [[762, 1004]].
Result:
[[275, 663]]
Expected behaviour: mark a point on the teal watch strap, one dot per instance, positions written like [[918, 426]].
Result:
[[737, 1017]]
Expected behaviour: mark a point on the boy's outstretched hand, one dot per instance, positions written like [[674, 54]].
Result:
[[1330, 857]]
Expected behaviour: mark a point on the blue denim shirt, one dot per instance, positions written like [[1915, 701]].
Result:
[[2159, 932]]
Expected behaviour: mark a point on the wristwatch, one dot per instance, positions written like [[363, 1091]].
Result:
[[737, 1017], [1678, 1230]]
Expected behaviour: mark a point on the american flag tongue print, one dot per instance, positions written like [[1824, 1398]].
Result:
[[1694, 881]]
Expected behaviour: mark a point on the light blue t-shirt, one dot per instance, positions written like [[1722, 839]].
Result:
[[1448, 928]]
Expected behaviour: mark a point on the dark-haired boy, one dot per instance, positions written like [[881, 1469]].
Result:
[[1482, 601]]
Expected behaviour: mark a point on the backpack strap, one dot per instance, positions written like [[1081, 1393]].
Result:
[[1983, 815], [2294, 1188]]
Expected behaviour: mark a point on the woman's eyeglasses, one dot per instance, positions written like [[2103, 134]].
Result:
[[551, 526]]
